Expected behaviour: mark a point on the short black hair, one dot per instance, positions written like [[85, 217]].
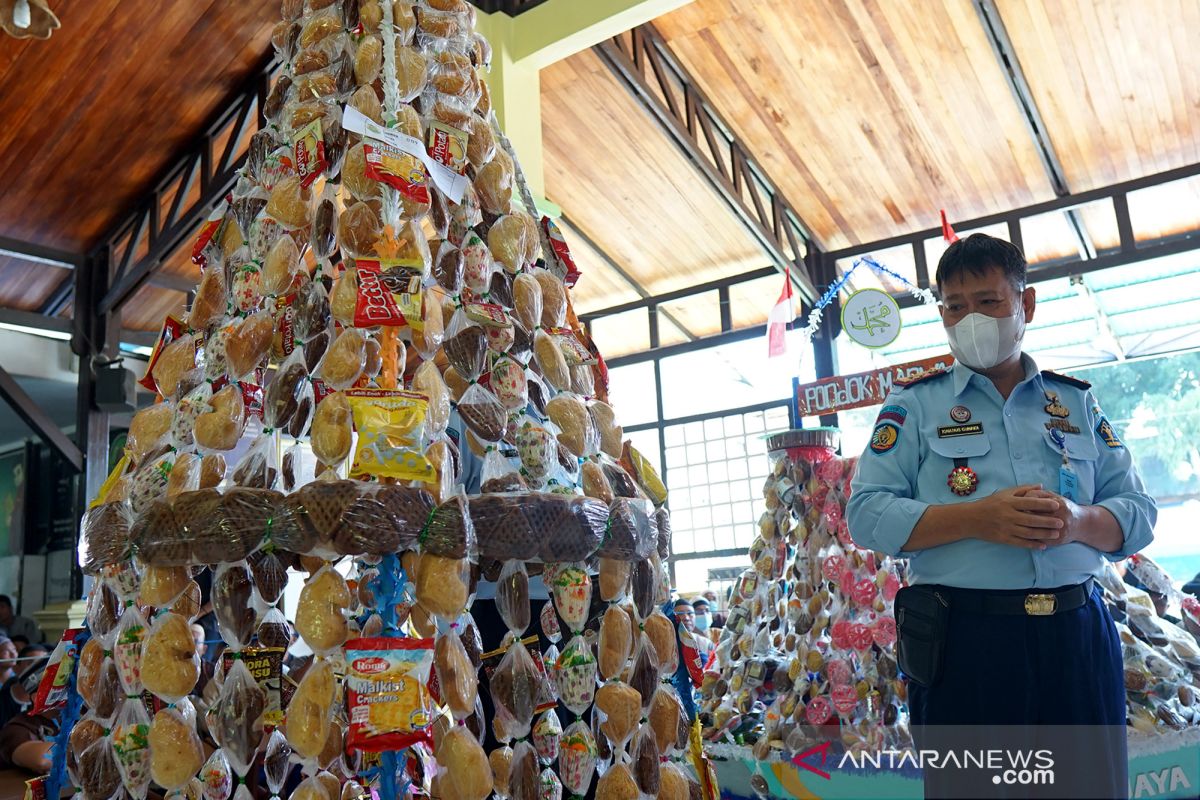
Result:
[[19, 638], [32, 650], [700, 601], [979, 253], [5, 599]]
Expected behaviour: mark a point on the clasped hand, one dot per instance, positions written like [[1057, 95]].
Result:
[[1030, 517]]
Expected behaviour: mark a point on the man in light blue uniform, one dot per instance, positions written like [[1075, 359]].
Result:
[[1007, 489]]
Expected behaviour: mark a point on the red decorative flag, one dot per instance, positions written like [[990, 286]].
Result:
[[778, 320], [947, 232]]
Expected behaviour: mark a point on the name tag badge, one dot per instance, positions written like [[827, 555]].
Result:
[[1068, 483], [949, 431]]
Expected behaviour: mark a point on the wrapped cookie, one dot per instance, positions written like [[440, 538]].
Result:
[[127, 649], [577, 431], [234, 603], [428, 381], [512, 596], [130, 741], [332, 430]]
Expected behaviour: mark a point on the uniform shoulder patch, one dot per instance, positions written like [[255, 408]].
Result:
[[1067, 379], [1104, 430], [921, 377]]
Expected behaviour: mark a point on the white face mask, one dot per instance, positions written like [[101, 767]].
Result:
[[703, 621], [982, 342]]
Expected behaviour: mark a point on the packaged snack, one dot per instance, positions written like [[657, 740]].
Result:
[[285, 391], [616, 642], [170, 664], [311, 315], [506, 240], [512, 596], [310, 712], [621, 706], [103, 611], [221, 428], [391, 434], [233, 603], [494, 183], [162, 584], [104, 536], [290, 203], [390, 707], [441, 585], [614, 578], [457, 679], [466, 346], [662, 637], [501, 761], [665, 713], [276, 761], [509, 384], [631, 537], [130, 741], [97, 773], [207, 309], [645, 754], [578, 433], [673, 783], [478, 264], [547, 734], [577, 757], [644, 677], [576, 675], [551, 362], [345, 359], [274, 631], [332, 430], [175, 751], [427, 380], [148, 429], [572, 592], [320, 613], [465, 770], [513, 687], [450, 532], [127, 649]]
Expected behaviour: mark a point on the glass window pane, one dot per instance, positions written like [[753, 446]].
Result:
[[631, 393]]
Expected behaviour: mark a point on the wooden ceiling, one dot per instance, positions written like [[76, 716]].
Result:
[[96, 113], [868, 116]]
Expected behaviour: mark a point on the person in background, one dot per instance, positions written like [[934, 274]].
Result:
[[8, 659], [26, 741], [20, 642], [208, 669], [13, 625], [718, 616], [18, 691], [704, 618], [683, 681]]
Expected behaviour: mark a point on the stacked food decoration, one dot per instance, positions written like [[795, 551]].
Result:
[[376, 270], [807, 653]]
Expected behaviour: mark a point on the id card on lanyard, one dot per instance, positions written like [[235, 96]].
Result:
[[1068, 481]]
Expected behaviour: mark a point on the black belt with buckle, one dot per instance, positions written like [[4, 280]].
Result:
[[1020, 603]]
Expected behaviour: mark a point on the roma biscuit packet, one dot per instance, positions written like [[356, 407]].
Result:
[[388, 699]]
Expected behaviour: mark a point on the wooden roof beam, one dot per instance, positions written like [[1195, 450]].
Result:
[[527, 36], [642, 61], [1014, 75]]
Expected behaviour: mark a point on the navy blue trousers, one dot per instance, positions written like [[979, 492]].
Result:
[[1054, 684]]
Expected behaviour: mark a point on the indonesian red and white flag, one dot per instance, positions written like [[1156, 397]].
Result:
[[780, 317], [947, 232]]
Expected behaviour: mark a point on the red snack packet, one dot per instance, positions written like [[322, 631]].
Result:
[[172, 329], [387, 691]]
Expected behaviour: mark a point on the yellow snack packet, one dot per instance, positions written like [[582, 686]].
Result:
[[391, 435]]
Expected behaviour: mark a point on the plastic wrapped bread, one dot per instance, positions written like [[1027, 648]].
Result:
[[442, 585], [236, 719], [576, 675], [456, 675], [631, 536], [621, 706], [577, 757], [175, 751], [616, 642], [104, 536], [170, 664], [514, 690], [465, 772], [311, 710], [321, 611]]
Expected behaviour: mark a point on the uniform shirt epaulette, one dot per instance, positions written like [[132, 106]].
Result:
[[928, 374], [1067, 379]]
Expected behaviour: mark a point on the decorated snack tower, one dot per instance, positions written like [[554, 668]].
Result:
[[380, 321], [807, 654]]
